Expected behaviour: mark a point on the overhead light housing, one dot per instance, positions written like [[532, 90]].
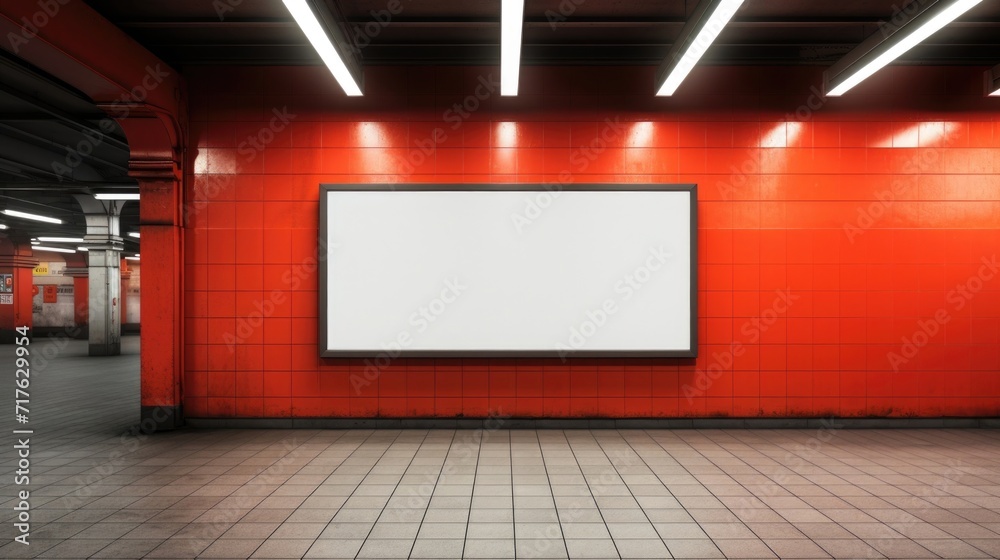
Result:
[[891, 41], [29, 216], [324, 33], [52, 249], [117, 196], [61, 239], [993, 81], [511, 24], [700, 31], [134, 234]]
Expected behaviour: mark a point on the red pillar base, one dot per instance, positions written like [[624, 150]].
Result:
[[16, 260]]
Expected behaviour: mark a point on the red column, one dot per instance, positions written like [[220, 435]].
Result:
[[81, 295], [156, 164], [125, 275], [16, 260], [76, 267], [161, 335]]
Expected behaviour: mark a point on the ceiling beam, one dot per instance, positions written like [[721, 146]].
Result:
[[62, 117], [69, 187], [43, 142], [30, 171]]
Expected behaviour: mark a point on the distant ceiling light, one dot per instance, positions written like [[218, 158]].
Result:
[[993, 81], [131, 258], [3, 226], [891, 41], [302, 12], [28, 216], [117, 196], [61, 239], [700, 31], [82, 249], [511, 23], [33, 242], [53, 249], [134, 234]]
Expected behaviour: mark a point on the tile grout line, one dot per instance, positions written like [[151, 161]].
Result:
[[468, 518], [646, 515], [555, 504], [389, 498], [591, 491], [437, 480]]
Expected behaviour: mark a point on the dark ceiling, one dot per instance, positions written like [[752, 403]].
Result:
[[184, 32], [52, 146]]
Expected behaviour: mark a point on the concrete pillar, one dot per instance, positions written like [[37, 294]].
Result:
[[104, 251], [16, 263]]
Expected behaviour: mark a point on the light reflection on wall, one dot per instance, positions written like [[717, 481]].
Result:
[[920, 135], [504, 153]]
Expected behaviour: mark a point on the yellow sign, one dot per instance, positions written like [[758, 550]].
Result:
[[41, 270]]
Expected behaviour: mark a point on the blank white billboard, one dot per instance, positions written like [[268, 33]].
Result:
[[508, 270]]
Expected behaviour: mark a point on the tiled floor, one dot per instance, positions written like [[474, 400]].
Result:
[[97, 493]]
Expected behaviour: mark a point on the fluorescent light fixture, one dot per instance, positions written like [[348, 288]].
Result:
[[3, 226], [61, 239], [891, 42], [303, 14], [33, 242], [993, 81], [134, 234], [511, 24], [28, 216], [686, 52], [53, 249], [131, 258], [82, 249], [117, 196]]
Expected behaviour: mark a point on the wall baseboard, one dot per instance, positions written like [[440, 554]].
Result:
[[501, 423]]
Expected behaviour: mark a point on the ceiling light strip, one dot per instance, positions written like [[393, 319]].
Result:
[[889, 43], [302, 12], [52, 249], [30, 216], [686, 53], [511, 25]]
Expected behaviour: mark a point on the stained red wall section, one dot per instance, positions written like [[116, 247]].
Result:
[[869, 211]]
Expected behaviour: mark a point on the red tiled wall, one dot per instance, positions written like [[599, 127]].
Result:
[[779, 172]]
